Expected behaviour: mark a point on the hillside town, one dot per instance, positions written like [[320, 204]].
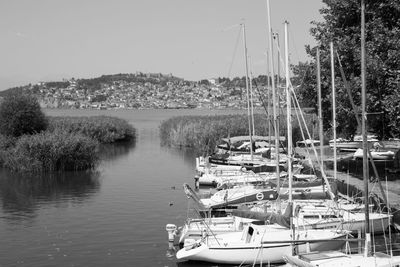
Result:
[[141, 91]]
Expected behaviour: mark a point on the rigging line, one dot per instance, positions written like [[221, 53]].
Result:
[[261, 98], [302, 132], [234, 52], [359, 124], [293, 45], [315, 151]]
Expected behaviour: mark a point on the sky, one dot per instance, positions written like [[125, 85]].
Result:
[[48, 40]]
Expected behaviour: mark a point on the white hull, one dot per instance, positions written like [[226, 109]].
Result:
[[376, 155], [338, 259], [265, 245]]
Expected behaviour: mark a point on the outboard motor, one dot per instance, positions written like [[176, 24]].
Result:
[[171, 229]]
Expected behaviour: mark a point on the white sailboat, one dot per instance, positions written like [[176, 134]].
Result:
[[334, 258], [258, 244]]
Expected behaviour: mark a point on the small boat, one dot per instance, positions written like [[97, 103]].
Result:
[[352, 145], [258, 244], [239, 195], [376, 155], [337, 258], [242, 144], [256, 193], [249, 179]]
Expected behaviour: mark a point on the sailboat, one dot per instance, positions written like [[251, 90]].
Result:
[[258, 244], [261, 243], [334, 258]]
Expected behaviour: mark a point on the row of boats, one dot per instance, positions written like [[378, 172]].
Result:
[[245, 216], [263, 206]]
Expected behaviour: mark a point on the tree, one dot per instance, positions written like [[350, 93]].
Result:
[[21, 114], [342, 25]]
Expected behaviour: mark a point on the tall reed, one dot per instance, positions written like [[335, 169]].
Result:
[[202, 133], [104, 129], [51, 151]]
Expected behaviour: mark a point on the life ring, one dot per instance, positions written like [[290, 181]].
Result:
[[260, 196]]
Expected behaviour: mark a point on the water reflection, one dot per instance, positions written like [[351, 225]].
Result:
[[22, 195], [111, 152], [186, 154]]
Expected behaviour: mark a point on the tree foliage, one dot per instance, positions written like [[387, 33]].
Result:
[[20, 114], [342, 25]]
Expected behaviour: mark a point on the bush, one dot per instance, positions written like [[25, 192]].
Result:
[[51, 151], [101, 128], [21, 114]]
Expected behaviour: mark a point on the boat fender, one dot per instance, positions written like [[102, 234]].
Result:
[[297, 210]]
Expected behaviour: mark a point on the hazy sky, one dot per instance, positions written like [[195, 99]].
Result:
[[45, 40]]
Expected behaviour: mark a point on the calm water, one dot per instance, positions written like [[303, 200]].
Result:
[[114, 217]]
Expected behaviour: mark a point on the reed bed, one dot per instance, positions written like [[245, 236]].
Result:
[[69, 143], [50, 151], [202, 133], [104, 129]]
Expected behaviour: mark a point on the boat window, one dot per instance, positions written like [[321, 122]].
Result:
[[330, 216], [311, 216]]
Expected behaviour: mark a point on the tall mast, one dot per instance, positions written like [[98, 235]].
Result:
[[321, 135], [251, 98], [278, 81], [247, 88], [333, 112], [289, 123], [364, 131], [278, 77], [288, 112], [275, 114], [268, 101]]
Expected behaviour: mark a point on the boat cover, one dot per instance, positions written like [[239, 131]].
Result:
[[271, 217]]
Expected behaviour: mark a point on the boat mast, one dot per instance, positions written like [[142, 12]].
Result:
[[268, 101], [251, 98], [275, 114], [321, 135], [364, 133], [288, 112], [289, 125], [247, 88], [333, 111]]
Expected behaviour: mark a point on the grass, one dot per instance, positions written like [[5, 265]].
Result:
[[69, 143], [104, 129], [51, 151], [202, 133]]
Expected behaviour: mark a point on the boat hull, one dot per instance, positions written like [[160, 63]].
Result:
[[266, 253]]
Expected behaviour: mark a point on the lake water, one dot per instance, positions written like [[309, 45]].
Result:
[[115, 216]]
